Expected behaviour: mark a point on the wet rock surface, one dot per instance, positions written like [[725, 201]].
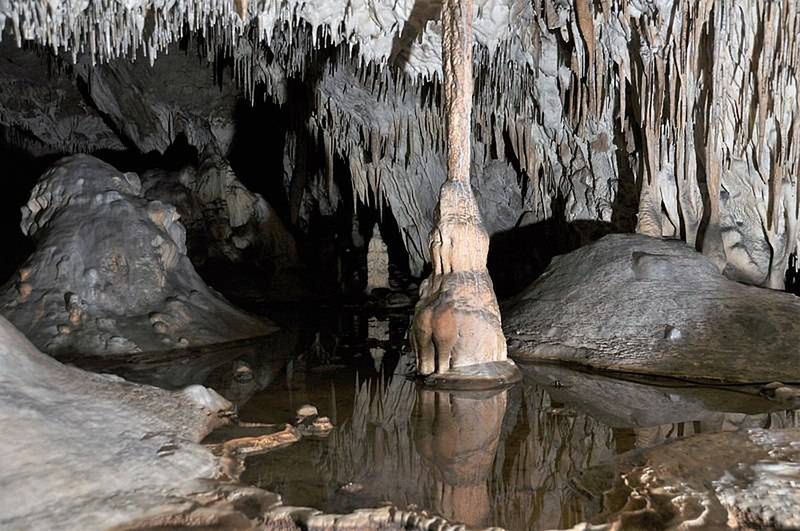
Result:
[[638, 304], [743, 480], [88, 451], [110, 272]]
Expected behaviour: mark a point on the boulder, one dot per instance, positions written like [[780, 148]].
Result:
[[643, 305], [110, 272]]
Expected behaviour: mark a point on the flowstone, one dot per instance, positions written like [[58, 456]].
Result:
[[110, 272], [456, 332], [732, 480]]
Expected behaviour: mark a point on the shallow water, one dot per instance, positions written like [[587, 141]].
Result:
[[511, 458], [515, 458]]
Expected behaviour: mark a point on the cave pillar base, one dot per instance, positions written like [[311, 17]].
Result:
[[456, 332]]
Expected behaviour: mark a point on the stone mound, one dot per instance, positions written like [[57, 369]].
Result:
[[638, 304], [110, 272]]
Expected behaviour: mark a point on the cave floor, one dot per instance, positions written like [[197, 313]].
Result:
[[516, 458]]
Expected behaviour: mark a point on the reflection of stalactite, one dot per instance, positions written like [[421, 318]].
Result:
[[379, 448], [647, 437]]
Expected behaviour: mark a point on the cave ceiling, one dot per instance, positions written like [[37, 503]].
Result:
[[672, 118]]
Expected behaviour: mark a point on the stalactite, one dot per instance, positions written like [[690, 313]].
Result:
[[710, 85]]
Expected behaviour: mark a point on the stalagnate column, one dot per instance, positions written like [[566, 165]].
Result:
[[456, 332]]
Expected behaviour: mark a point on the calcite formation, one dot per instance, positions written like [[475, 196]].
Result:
[[733, 480], [377, 262], [92, 451], [110, 272], [456, 329], [681, 113], [223, 219], [639, 304]]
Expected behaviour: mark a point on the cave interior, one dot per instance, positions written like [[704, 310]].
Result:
[[400, 264]]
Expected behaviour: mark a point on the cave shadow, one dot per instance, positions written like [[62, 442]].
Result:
[[22, 171], [520, 255], [256, 152]]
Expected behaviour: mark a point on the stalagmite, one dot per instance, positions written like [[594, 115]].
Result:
[[377, 262], [456, 333]]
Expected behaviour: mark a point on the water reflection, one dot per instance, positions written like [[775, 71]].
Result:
[[514, 458], [529, 457], [503, 458], [457, 434]]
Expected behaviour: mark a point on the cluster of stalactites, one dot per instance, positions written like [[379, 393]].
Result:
[[715, 90], [696, 92], [271, 41]]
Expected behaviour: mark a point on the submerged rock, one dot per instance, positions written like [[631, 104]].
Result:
[[638, 304], [110, 272]]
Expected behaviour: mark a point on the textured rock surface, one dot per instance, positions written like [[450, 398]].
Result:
[[223, 219], [639, 304], [87, 451], [456, 322], [583, 100], [150, 105], [44, 112], [110, 273], [745, 479]]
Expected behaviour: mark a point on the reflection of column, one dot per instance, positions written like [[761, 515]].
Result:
[[378, 335], [456, 434]]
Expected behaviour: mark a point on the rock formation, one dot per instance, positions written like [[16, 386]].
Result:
[[110, 273], [745, 479], [223, 219], [377, 262], [669, 118], [92, 451], [574, 98], [456, 333], [638, 304]]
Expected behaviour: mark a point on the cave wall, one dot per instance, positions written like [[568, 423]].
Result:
[[682, 112]]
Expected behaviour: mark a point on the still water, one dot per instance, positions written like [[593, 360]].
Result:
[[518, 458]]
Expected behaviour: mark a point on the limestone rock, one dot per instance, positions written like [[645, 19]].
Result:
[[110, 273], [377, 262], [152, 104], [745, 479], [90, 451], [617, 304], [44, 113], [456, 323], [223, 219]]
